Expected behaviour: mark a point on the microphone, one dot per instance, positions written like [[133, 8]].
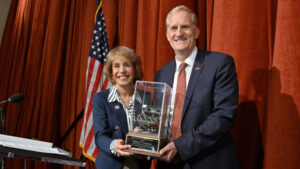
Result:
[[14, 98]]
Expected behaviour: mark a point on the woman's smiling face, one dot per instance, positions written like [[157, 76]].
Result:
[[122, 71]]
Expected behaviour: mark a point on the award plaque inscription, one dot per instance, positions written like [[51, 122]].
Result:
[[151, 110]]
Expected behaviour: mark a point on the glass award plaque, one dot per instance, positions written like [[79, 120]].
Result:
[[149, 129]]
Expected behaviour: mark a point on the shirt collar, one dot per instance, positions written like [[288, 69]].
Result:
[[114, 95], [189, 60]]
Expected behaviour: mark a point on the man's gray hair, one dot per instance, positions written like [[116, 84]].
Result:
[[182, 8]]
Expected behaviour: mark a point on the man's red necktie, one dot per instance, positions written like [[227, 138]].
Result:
[[178, 104]]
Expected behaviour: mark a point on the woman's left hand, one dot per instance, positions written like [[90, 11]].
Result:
[[120, 147]]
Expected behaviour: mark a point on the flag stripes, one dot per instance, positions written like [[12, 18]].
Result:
[[95, 82]]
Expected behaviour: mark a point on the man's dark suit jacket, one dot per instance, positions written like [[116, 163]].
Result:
[[110, 123], [208, 113]]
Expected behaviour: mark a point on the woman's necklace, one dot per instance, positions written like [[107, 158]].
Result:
[[126, 95], [126, 100]]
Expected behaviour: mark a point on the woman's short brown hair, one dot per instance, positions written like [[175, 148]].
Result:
[[128, 54]]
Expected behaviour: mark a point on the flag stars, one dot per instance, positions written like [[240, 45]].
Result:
[[99, 46]]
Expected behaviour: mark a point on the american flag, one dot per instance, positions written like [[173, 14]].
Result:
[[95, 82]]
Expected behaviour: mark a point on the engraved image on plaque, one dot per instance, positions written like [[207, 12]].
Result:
[[151, 118]]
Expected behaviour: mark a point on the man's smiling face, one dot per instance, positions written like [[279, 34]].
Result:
[[182, 33]]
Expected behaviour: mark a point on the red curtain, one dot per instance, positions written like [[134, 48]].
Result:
[[45, 46]]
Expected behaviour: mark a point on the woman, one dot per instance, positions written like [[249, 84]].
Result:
[[112, 109]]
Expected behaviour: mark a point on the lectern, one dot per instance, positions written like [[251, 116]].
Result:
[[29, 149]]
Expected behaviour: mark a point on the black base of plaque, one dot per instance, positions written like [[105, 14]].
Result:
[[144, 144]]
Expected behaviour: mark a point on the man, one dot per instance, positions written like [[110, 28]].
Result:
[[209, 88]]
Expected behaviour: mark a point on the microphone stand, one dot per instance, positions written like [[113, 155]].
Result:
[[2, 114], [14, 98]]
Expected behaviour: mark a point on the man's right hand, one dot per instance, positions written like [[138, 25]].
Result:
[[168, 152]]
